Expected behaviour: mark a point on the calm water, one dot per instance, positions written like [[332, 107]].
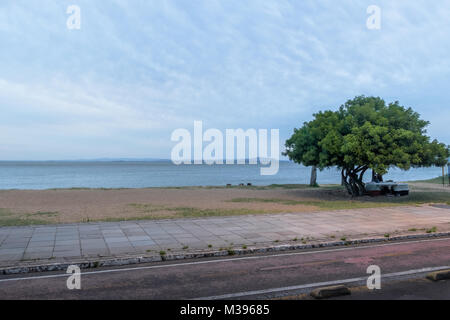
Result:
[[139, 174]]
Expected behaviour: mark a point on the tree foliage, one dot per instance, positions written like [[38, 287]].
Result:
[[363, 134]]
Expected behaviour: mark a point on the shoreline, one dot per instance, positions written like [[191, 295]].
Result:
[[427, 183], [137, 175]]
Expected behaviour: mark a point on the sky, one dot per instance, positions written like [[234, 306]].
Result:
[[136, 70]]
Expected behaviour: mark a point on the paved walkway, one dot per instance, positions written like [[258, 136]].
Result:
[[70, 241]]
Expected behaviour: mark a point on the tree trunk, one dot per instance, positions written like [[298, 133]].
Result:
[[354, 182], [313, 181], [344, 181]]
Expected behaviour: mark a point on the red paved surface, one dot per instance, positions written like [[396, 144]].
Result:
[[224, 276]]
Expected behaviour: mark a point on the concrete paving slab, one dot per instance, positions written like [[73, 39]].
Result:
[[113, 238]]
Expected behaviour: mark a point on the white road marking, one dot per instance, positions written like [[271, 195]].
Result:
[[318, 284], [223, 260]]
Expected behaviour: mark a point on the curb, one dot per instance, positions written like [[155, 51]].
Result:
[[137, 259], [439, 275], [330, 292]]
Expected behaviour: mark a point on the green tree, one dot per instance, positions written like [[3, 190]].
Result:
[[364, 134]]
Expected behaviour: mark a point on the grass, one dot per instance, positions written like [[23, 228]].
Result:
[[437, 180], [156, 212], [322, 204], [432, 230], [159, 213], [415, 198], [9, 218], [196, 212], [47, 213]]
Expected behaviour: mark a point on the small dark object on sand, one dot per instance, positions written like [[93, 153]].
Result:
[[249, 184], [228, 184]]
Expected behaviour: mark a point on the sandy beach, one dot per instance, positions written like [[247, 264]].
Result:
[[97, 204], [21, 207]]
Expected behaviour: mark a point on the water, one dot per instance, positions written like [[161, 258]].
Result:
[[141, 174]]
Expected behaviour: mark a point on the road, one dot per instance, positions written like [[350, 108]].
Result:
[[268, 276]]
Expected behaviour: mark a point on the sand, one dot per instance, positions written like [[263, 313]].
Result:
[[72, 205]]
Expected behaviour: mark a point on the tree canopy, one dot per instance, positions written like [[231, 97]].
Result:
[[363, 134]]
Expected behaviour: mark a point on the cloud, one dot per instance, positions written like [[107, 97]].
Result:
[[138, 70]]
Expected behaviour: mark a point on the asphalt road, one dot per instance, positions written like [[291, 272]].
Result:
[[287, 274]]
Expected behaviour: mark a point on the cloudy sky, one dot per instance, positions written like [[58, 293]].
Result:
[[138, 69]]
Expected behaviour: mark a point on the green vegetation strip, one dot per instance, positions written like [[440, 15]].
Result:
[[323, 205], [155, 212], [437, 180], [9, 218], [366, 202]]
